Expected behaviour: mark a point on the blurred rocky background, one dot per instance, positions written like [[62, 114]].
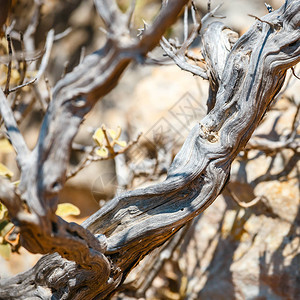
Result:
[[244, 246]]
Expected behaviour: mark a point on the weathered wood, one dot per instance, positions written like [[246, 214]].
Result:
[[43, 170], [246, 78]]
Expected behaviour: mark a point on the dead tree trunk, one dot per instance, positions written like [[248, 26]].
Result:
[[92, 260]]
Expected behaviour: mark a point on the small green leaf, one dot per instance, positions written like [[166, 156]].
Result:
[[121, 143], [4, 171], [5, 146], [99, 137], [102, 152], [5, 250], [67, 209]]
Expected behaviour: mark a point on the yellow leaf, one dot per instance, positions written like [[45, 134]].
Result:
[[99, 137], [31, 74], [112, 133], [5, 146], [67, 209], [4, 171], [15, 76], [102, 152], [5, 251], [3, 211], [115, 134], [121, 143]]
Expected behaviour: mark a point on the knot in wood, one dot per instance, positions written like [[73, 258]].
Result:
[[210, 136]]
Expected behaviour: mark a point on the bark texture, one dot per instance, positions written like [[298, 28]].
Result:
[[92, 260]]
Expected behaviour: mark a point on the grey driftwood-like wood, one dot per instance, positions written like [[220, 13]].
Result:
[[92, 260]]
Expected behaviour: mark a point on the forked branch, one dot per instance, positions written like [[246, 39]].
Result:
[[247, 78]]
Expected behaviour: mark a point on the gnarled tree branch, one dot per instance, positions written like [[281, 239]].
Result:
[[138, 221]]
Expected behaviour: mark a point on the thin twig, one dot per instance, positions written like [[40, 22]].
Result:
[[284, 89], [290, 141], [31, 29], [10, 28], [180, 60], [90, 157], [48, 89], [65, 70], [82, 54], [263, 21], [42, 68], [296, 121], [211, 14], [23, 61], [46, 56], [63, 34], [293, 71], [23, 85], [185, 23], [84, 163], [6, 90], [244, 204], [130, 12], [108, 144], [179, 55]]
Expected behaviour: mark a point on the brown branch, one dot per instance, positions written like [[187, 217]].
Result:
[[293, 72], [6, 90]]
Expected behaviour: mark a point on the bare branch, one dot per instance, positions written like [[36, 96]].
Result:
[[6, 90], [293, 72], [136, 222], [31, 29], [180, 60], [290, 141], [44, 172], [8, 196], [130, 12], [253, 202], [165, 19], [185, 23], [43, 66], [61, 35], [111, 16], [179, 54], [13, 131], [201, 168], [273, 146], [45, 59], [22, 85]]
